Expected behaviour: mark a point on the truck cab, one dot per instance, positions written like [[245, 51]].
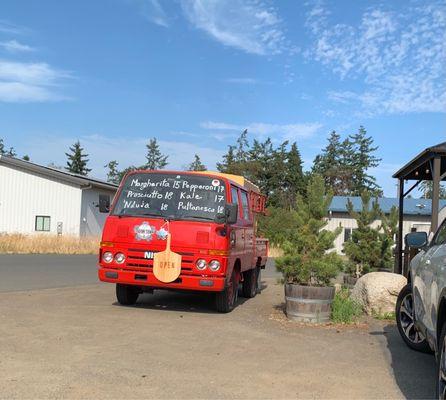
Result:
[[206, 219]]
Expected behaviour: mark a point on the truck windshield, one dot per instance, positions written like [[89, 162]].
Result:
[[171, 196]]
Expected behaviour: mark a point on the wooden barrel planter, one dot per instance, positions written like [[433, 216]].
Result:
[[308, 303]]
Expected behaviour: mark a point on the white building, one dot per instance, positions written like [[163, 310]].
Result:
[[417, 215], [37, 199]]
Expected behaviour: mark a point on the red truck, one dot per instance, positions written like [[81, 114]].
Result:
[[191, 231]]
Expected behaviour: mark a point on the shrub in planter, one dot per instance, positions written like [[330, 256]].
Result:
[[307, 265]]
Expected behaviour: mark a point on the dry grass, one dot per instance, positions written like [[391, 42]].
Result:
[[275, 252], [47, 244]]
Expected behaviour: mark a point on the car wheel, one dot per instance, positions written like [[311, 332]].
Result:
[[405, 321], [226, 300], [126, 294]]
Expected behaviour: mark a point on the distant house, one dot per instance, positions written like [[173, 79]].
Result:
[[417, 215], [38, 199]]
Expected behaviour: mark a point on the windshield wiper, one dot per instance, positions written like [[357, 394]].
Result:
[[196, 217], [149, 214], [139, 215]]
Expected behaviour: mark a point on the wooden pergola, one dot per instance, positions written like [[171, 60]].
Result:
[[429, 165]]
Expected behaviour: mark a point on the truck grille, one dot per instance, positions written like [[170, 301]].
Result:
[[137, 261]]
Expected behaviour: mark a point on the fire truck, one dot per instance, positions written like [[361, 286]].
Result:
[[192, 231]]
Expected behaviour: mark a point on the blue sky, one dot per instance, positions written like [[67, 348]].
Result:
[[194, 73]]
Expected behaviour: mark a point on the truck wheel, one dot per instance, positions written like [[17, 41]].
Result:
[[404, 313], [126, 294], [226, 300], [249, 287]]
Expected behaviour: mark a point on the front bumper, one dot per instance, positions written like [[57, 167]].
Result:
[[143, 278]]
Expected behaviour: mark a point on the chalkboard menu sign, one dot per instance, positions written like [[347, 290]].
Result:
[[171, 196]]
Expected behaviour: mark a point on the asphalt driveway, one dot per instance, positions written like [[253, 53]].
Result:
[[76, 342]]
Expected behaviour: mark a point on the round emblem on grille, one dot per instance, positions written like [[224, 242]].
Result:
[[144, 231]]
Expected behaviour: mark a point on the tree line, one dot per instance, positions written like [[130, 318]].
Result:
[[345, 163]]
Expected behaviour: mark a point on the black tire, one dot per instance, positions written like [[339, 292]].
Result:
[[226, 300], [126, 294], [404, 313], [441, 365], [249, 287]]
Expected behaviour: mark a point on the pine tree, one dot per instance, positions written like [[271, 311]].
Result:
[[278, 167], [77, 160], [364, 248], [307, 258], [293, 179], [3, 152], [334, 164], [155, 159], [236, 160], [260, 169], [242, 147], [427, 188], [196, 165], [122, 173], [228, 163], [362, 160], [113, 174]]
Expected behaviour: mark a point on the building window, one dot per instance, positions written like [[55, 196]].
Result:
[[104, 203], [43, 223], [348, 234]]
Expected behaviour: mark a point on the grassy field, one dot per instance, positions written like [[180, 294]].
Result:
[[51, 244], [47, 244]]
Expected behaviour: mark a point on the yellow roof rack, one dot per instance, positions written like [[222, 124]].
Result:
[[240, 180]]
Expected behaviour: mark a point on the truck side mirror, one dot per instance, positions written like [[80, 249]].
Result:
[[416, 240], [229, 216], [231, 211]]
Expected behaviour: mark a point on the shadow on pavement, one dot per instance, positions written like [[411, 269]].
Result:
[[197, 302], [415, 372]]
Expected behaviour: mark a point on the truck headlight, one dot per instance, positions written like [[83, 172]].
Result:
[[214, 265], [107, 257], [201, 264], [119, 258]]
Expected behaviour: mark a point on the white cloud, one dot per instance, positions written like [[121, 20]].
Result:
[[29, 82], [399, 57], [17, 92], [13, 46], [221, 126], [262, 130], [247, 25], [101, 149], [153, 11]]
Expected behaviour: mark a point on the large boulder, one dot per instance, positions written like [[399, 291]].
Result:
[[377, 291]]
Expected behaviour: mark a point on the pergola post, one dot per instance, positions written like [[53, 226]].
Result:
[[435, 192], [399, 244]]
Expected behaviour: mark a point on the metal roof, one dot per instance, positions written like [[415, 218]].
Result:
[[419, 168], [69, 177], [411, 206]]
